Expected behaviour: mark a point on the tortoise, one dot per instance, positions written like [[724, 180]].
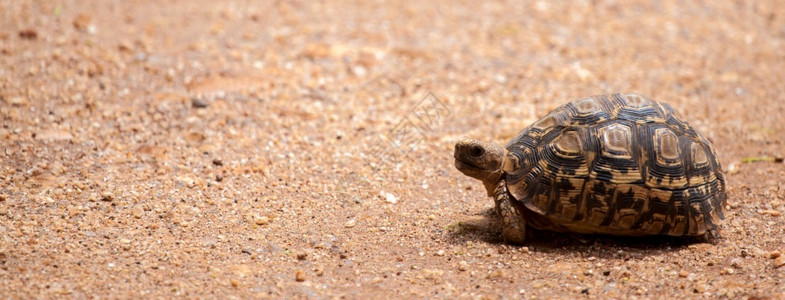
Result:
[[618, 164]]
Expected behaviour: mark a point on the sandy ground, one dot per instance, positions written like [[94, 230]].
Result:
[[287, 149]]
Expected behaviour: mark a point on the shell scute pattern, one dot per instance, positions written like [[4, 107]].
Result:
[[617, 164], [640, 109]]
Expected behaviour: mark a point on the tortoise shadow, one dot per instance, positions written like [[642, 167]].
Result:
[[487, 229]]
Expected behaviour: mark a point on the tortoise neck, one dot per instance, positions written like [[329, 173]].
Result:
[[493, 178], [507, 165]]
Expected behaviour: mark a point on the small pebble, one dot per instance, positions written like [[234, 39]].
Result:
[[683, 273], [736, 263], [198, 103], [262, 220], [137, 211], [28, 34], [302, 256], [779, 261], [82, 22], [433, 274], [234, 282], [107, 196], [299, 276], [733, 168], [389, 197], [774, 254], [218, 162], [17, 101], [496, 274], [350, 223], [463, 265]]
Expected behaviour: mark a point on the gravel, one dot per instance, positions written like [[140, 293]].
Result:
[[290, 149]]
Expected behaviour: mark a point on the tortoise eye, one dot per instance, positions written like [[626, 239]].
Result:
[[476, 151]]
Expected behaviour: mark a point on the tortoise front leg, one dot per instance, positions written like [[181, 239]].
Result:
[[513, 224]]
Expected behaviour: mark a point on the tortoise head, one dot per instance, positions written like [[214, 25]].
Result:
[[482, 161]]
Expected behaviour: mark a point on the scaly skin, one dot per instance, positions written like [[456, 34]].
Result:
[[513, 223]]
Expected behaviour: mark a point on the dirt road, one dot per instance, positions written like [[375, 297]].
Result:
[[287, 149]]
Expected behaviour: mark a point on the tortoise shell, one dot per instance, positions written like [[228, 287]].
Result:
[[618, 164]]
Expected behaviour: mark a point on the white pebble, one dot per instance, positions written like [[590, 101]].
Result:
[[389, 197], [350, 223]]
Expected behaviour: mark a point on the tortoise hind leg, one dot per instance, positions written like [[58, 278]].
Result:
[[712, 236], [513, 224]]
